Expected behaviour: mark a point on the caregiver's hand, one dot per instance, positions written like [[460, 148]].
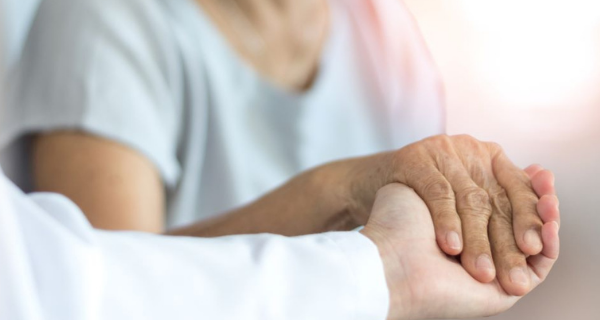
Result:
[[425, 283], [468, 186]]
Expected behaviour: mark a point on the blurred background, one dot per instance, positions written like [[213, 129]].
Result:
[[526, 74]]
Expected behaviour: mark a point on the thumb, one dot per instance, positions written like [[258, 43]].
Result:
[[399, 210]]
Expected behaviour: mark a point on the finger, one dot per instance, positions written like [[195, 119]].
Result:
[[474, 210], [533, 169], [548, 208], [551, 240], [398, 210], [527, 224], [438, 194], [542, 264], [511, 265], [543, 182]]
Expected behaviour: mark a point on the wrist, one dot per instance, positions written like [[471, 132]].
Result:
[[347, 188], [331, 197], [396, 279], [365, 176]]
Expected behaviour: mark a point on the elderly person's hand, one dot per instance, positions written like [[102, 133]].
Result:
[[423, 282], [483, 207], [481, 204]]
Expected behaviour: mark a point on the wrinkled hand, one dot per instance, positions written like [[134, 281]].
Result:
[[423, 281], [483, 207]]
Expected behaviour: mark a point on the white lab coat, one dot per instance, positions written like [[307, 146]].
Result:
[[54, 265]]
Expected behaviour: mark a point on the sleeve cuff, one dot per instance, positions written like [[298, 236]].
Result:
[[372, 294], [147, 144]]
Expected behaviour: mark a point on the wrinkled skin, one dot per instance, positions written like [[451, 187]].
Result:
[[426, 283], [483, 207]]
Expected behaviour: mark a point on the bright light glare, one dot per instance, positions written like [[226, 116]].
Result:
[[536, 53]]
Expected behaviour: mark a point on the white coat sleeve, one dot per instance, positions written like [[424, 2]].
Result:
[[55, 266]]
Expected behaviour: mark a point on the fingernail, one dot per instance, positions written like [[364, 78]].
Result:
[[518, 276], [532, 239], [484, 263], [453, 240]]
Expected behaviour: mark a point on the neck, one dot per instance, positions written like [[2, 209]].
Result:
[[286, 8]]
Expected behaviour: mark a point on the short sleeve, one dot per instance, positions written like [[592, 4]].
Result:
[[105, 67]]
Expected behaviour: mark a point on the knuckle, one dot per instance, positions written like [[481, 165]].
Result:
[[465, 139], [406, 150], [439, 137], [521, 179], [475, 244], [472, 148], [479, 174], [500, 220], [475, 199], [526, 198], [469, 141], [439, 141], [500, 203], [445, 221], [476, 233], [437, 189], [494, 147], [507, 248], [475, 224], [445, 217], [525, 205]]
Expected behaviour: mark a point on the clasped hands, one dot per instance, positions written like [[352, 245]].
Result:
[[461, 230]]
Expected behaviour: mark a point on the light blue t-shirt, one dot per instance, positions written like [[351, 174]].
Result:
[[156, 75]]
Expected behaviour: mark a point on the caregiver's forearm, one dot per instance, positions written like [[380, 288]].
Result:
[[312, 202]]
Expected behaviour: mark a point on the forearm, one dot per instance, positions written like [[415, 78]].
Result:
[[324, 276], [123, 191], [123, 275], [312, 202]]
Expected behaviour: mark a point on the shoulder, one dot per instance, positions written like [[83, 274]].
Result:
[[85, 9], [81, 21], [76, 35]]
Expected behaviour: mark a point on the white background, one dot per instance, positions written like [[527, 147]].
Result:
[[526, 74]]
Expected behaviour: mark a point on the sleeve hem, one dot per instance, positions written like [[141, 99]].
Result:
[[168, 171], [372, 294]]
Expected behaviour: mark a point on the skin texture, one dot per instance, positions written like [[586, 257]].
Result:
[[468, 185], [424, 282], [281, 39], [119, 189]]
